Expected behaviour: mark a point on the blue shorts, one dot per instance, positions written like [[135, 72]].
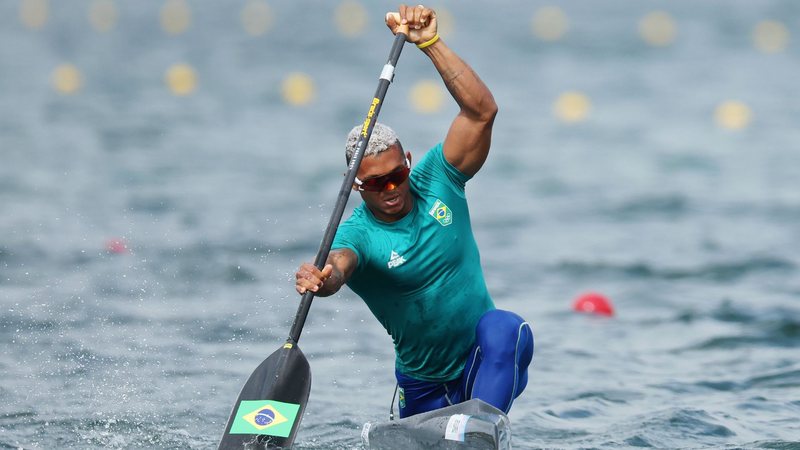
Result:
[[496, 370]]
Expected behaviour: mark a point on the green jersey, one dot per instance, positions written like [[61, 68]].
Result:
[[421, 276]]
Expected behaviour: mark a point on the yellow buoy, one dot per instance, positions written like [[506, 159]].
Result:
[[427, 97], [67, 79], [550, 23], [572, 107], [351, 18], [445, 22], [298, 89], [658, 29], [733, 115], [256, 17], [103, 15], [33, 13], [771, 36], [175, 16], [181, 79]]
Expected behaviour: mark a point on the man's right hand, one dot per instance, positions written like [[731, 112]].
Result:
[[309, 278], [418, 23]]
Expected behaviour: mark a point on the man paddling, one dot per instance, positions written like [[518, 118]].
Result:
[[408, 251]]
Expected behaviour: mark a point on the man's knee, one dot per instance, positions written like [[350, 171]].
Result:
[[503, 334]]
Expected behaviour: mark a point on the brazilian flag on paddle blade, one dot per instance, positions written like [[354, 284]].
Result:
[[268, 417]]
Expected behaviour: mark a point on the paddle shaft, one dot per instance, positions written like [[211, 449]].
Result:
[[387, 74]]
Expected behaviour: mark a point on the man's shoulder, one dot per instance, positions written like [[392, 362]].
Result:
[[434, 155], [430, 164], [358, 218], [434, 168], [353, 231]]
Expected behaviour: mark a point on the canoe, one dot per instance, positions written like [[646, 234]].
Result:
[[473, 424]]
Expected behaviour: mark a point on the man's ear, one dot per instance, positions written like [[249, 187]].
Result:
[[408, 157]]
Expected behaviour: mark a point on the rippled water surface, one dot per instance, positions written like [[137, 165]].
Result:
[[691, 229]]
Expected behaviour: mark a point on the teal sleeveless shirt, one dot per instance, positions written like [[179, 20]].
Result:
[[421, 276]]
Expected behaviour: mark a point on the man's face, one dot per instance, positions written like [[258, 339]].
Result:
[[394, 201]]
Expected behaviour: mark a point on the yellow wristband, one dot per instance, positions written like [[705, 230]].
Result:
[[430, 42]]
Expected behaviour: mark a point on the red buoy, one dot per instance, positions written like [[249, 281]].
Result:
[[593, 303], [116, 246]]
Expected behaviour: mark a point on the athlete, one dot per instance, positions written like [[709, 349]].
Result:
[[408, 251]]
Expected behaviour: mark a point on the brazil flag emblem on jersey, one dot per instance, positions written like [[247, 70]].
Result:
[[441, 213], [264, 417]]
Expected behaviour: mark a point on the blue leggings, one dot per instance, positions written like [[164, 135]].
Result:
[[496, 370]]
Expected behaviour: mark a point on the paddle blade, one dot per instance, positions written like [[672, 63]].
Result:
[[271, 404]]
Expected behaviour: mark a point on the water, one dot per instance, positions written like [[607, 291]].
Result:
[[691, 229]]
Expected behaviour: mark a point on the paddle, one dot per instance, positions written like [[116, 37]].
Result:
[[270, 406]]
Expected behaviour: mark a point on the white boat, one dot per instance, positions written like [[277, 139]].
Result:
[[473, 424]]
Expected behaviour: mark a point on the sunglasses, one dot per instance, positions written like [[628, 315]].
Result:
[[387, 182]]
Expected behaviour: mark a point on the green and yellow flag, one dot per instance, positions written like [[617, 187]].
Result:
[[268, 417]]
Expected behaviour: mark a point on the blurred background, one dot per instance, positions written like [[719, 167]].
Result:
[[165, 166]]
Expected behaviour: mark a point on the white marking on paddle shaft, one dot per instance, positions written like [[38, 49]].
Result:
[[387, 73], [456, 427]]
